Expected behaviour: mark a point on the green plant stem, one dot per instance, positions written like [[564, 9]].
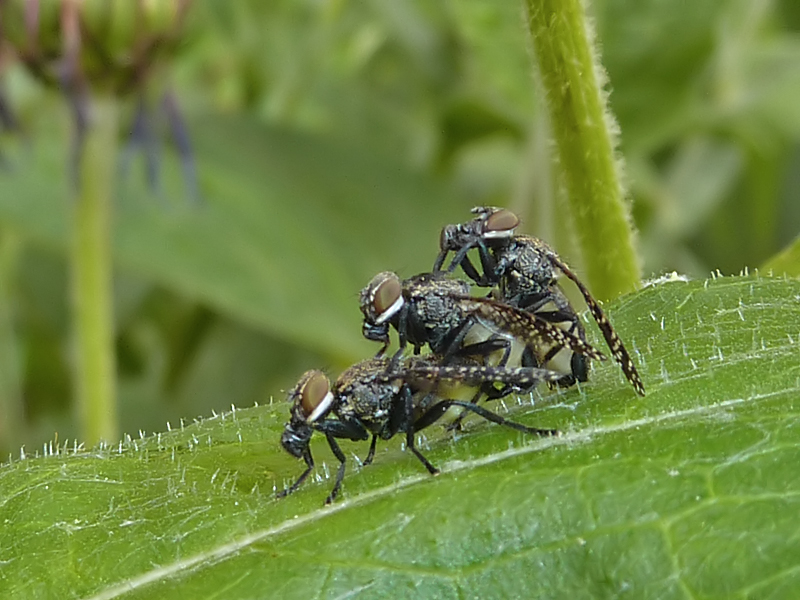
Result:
[[583, 130], [91, 259], [12, 414]]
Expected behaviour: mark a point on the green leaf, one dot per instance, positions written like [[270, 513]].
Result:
[[690, 491], [497, 63], [707, 65], [786, 262], [771, 83], [292, 226], [654, 54]]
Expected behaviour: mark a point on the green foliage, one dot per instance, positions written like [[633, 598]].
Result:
[[585, 134], [786, 262], [333, 140], [687, 492], [254, 249]]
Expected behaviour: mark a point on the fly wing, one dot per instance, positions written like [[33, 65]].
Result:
[[528, 327], [473, 375], [618, 350]]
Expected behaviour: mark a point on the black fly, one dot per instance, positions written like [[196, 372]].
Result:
[[434, 310], [373, 398], [431, 309], [525, 271]]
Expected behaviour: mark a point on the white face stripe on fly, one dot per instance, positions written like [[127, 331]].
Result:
[[321, 408], [391, 311], [496, 235]]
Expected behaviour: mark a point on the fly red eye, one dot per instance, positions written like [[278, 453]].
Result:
[[501, 223]]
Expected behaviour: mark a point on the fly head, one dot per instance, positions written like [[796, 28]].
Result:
[[491, 226], [311, 400]]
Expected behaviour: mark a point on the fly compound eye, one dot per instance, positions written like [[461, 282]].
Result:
[[380, 294], [384, 297], [500, 224], [388, 300], [315, 396]]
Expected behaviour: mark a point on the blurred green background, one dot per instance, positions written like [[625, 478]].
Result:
[[333, 140]]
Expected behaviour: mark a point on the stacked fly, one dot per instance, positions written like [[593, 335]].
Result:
[[525, 332]]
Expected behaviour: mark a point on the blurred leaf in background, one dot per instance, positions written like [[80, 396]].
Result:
[[333, 140]]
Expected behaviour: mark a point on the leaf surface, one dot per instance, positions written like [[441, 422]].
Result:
[[688, 492]]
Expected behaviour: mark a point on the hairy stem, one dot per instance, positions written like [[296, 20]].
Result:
[[91, 264], [584, 134]]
